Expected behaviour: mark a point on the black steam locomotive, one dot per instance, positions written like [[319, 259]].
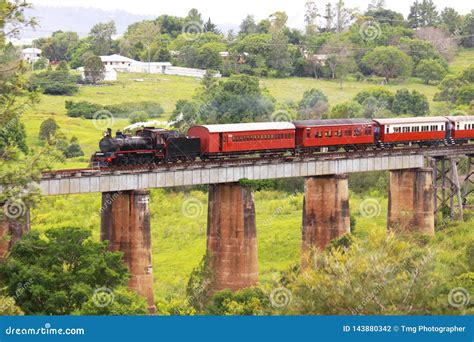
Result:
[[148, 146]]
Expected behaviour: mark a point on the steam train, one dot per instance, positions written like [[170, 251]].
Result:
[[152, 145]]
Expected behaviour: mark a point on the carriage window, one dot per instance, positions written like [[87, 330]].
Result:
[[368, 131], [328, 134], [357, 132], [348, 132], [308, 133], [388, 130]]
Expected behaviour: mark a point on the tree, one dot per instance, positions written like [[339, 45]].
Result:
[[451, 20], [465, 95], [310, 17], [313, 104], [343, 16], [278, 21], [414, 103], [384, 276], [54, 82], [467, 30], [430, 70], [328, 17], [428, 13], [8, 307], [60, 46], [340, 59], [48, 129], [101, 37], [236, 99], [419, 50], [185, 114], [209, 26], [248, 26], [386, 16], [388, 62], [279, 57], [20, 167], [64, 270], [445, 45], [142, 35], [414, 17], [347, 110], [73, 149], [94, 70], [125, 302]]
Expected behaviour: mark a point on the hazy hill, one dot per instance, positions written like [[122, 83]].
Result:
[[78, 19]]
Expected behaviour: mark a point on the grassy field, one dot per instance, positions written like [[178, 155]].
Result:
[[179, 241]]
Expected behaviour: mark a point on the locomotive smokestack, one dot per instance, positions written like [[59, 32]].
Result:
[[109, 132]]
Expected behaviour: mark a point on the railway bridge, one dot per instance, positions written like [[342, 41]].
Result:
[[422, 182]]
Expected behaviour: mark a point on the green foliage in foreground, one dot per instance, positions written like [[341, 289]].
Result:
[[59, 273]]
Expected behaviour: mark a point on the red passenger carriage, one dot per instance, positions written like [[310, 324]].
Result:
[[244, 138], [351, 134], [403, 131], [463, 128]]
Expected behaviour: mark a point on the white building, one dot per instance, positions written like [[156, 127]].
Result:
[[110, 74], [30, 55], [117, 62], [152, 67]]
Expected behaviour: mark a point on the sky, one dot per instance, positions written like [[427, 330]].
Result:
[[232, 12]]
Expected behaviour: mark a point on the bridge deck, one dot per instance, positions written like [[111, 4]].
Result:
[[89, 181]]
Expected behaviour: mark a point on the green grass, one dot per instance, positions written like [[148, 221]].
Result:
[[464, 58]]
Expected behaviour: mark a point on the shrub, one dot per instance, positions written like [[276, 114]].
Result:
[[410, 103], [347, 109], [74, 149], [54, 82], [313, 104], [83, 109], [140, 116], [465, 94]]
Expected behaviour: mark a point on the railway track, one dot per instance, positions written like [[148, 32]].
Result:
[[433, 152]]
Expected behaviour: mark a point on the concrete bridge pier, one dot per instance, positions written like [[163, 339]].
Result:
[[326, 213], [126, 225], [14, 222], [411, 201], [232, 237]]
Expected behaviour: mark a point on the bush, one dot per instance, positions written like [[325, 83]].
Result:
[[124, 302], [414, 103], [87, 109], [430, 70], [138, 117], [465, 94], [74, 149], [347, 110], [82, 109], [250, 301], [64, 268], [54, 82], [313, 104]]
